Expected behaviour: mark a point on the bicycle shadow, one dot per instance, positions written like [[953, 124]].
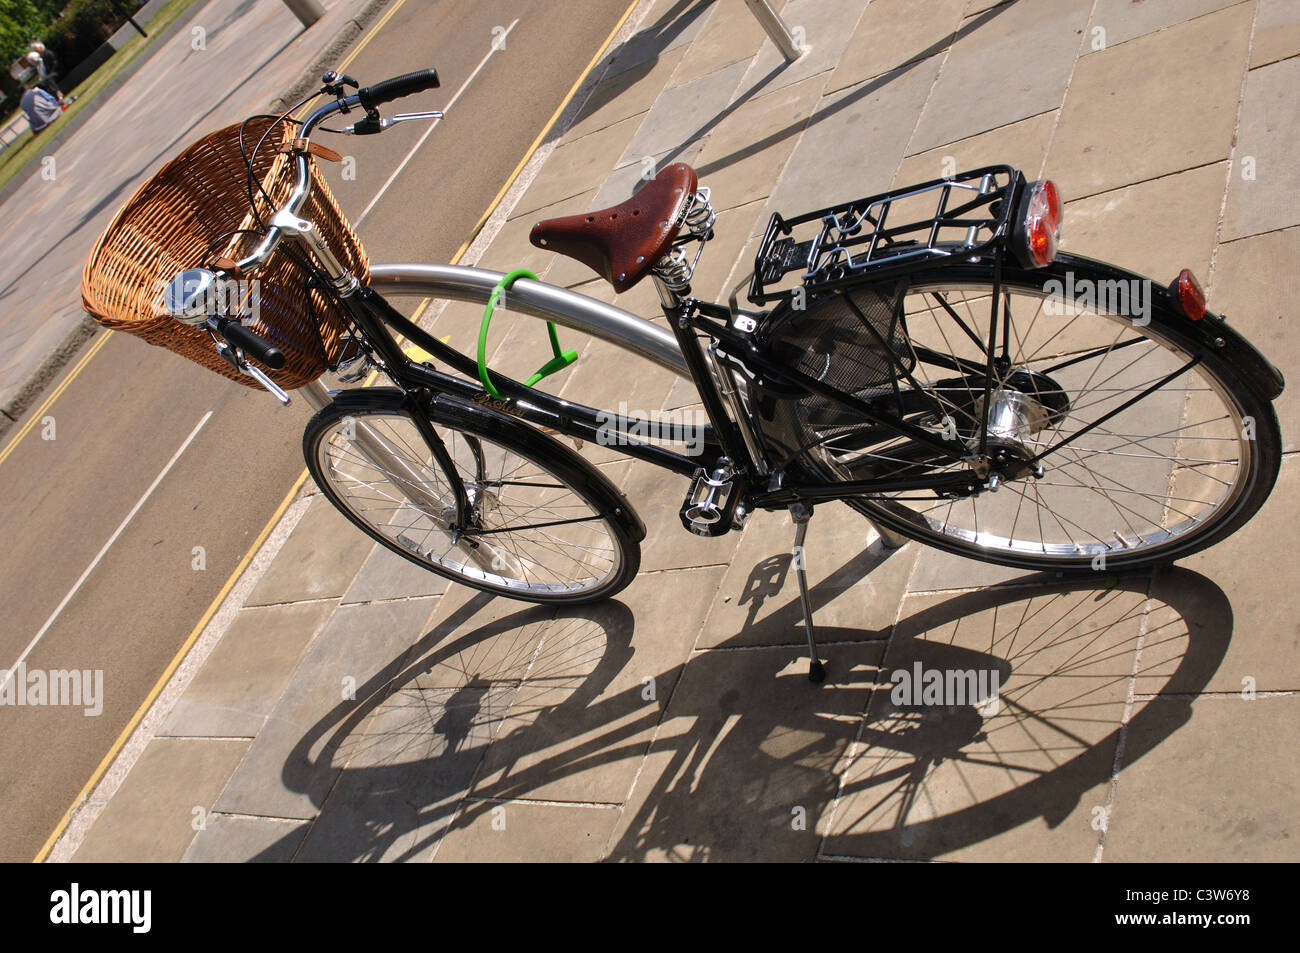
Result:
[[494, 736]]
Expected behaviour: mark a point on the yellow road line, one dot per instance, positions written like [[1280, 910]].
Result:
[[369, 36], [284, 505], [45, 405], [168, 672], [225, 589]]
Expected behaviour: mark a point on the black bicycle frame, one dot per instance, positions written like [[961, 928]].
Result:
[[377, 320]]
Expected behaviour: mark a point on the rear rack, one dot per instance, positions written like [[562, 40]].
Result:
[[854, 240]]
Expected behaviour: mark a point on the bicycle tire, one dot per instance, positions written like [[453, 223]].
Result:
[[1243, 382], [576, 519]]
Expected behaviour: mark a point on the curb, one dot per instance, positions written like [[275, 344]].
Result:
[[40, 376], [53, 362], [346, 35]]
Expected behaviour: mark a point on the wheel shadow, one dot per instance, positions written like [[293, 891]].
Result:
[[732, 754]]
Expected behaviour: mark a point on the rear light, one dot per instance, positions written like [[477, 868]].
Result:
[[1038, 233], [1190, 295]]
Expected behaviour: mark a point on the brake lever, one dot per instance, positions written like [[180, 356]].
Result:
[[234, 356], [373, 124], [249, 368]]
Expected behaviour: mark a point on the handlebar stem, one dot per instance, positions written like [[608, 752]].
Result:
[[298, 198]]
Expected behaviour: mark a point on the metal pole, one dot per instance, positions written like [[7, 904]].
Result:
[[776, 29], [307, 11]]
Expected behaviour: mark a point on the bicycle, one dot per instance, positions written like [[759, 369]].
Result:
[[955, 378]]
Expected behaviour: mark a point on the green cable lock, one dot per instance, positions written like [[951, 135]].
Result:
[[561, 360]]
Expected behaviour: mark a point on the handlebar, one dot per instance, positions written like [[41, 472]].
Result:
[[386, 91], [369, 98], [252, 343], [230, 337]]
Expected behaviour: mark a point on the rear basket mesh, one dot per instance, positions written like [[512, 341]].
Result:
[[853, 342]]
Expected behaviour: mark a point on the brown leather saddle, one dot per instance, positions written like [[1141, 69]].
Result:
[[622, 243]]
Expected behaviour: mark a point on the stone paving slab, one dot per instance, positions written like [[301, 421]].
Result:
[[889, 35], [1147, 227], [170, 789], [1246, 289], [1021, 145], [635, 170], [743, 768], [247, 672], [299, 754], [413, 762], [576, 164], [1277, 32], [1193, 69], [1008, 63], [1236, 790], [669, 26], [1265, 647], [1122, 20], [522, 832], [864, 131], [823, 28], [683, 114], [750, 146], [854, 583], [629, 93], [582, 721], [232, 838], [1011, 779], [320, 560], [385, 575], [1265, 187], [729, 35]]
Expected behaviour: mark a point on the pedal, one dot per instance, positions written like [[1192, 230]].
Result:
[[710, 506]]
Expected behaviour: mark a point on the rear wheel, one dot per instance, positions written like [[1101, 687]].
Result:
[[542, 524], [1151, 447]]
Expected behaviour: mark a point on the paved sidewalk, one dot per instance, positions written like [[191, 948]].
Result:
[[357, 709], [86, 177]]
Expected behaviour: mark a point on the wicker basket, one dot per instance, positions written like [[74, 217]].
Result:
[[171, 224]]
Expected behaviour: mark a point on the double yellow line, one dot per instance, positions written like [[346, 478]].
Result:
[[172, 666]]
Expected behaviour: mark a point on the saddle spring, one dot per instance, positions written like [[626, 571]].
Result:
[[674, 269]]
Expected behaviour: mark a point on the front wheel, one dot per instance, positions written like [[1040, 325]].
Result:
[[1125, 434], [538, 523]]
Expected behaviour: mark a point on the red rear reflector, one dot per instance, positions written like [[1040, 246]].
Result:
[[1042, 241], [1054, 207], [1190, 294], [1039, 234]]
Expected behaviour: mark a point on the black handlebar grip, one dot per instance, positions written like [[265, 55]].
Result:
[[253, 345], [397, 87]]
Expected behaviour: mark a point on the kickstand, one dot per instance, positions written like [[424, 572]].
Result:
[[801, 514]]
